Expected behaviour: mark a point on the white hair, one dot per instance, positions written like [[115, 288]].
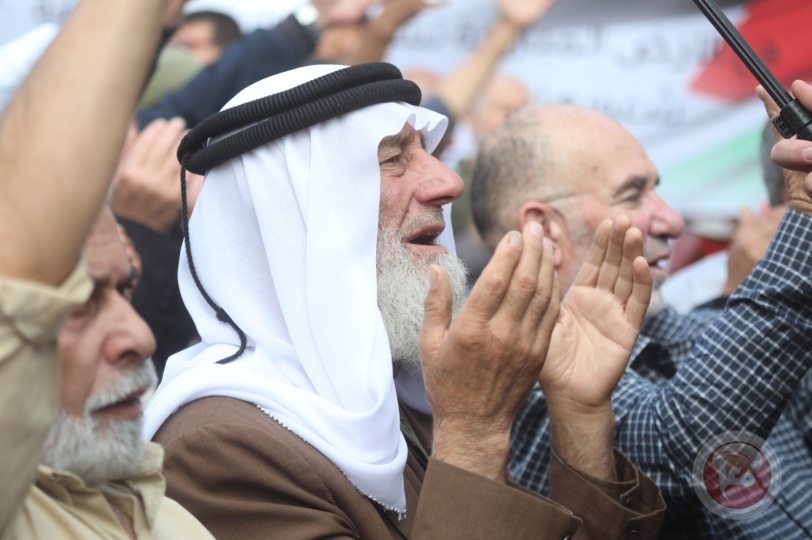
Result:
[[98, 449]]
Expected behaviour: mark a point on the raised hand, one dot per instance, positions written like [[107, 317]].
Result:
[[147, 184], [479, 369], [794, 155], [524, 13], [600, 319]]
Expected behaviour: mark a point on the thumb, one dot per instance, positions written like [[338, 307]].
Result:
[[436, 311]]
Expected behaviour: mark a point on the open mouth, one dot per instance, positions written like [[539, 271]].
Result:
[[660, 263], [128, 407], [425, 239]]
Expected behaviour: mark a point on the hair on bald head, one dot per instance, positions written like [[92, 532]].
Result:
[[513, 162]]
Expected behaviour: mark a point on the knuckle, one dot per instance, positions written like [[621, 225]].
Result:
[[470, 338], [496, 281], [526, 282]]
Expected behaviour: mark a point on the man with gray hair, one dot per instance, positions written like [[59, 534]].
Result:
[[344, 387], [691, 377], [70, 342]]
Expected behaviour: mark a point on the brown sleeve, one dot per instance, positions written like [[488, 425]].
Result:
[[456, 504], [243, 484], [631, 507]]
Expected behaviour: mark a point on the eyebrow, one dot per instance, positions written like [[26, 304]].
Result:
[[127, 281], [401, 138], [631, 183]]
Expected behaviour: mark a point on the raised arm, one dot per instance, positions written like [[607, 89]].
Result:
[[461, 87], [378, 32], [59, 143], [61, 134], [258, 55], [479, 369], [600, 321]]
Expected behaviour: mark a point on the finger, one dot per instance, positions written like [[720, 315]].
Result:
[[770, 105], [637, 305], [544, 330], [142, 148], [437, 310], [166, 144], [540, 302], [524, 281], [803, 92], [490, 289], [632, 248], [588, 273], [793, 154], [610, 267]]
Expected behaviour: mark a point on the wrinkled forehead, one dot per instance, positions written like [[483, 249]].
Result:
[[106, 256]]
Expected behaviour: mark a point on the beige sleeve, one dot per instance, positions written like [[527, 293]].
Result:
[[30, 317]]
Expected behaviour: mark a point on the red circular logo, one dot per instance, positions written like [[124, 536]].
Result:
[[737, 474]]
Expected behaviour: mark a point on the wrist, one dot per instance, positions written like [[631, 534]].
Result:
[[801, 205], [507, 25], [583, 437], [482, 452]]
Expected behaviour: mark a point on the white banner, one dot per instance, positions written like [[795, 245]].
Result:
[[633, 60]]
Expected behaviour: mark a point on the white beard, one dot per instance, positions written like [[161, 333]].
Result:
[[97, 449], [403, 281]]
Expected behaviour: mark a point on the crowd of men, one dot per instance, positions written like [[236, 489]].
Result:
[[331, 371]]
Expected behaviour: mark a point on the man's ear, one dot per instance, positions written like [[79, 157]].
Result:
[[543, 213]]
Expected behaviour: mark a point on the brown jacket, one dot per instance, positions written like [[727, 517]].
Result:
[[245, 476]]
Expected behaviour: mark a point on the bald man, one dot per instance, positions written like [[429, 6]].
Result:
[[693, 376]]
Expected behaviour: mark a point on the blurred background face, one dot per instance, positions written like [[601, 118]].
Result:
[[205, 35], [104, 348]]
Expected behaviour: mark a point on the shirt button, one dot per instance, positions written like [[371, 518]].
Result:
[[634, 535]]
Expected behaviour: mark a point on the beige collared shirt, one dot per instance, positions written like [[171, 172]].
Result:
[[36, 501]]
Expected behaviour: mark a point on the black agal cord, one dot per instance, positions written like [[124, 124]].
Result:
[[276, 116]]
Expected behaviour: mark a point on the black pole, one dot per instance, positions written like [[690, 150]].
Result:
[[794, 119]]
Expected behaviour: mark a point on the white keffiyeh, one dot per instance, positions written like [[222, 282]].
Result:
[[283, 239]]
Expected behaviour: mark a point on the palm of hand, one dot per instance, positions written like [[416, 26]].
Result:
[[590, 346], [600, 319]]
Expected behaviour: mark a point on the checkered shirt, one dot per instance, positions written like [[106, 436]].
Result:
[[697, 375]]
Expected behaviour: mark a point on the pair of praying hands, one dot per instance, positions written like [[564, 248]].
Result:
[[513, 331]]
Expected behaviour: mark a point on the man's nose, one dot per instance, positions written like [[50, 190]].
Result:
[[132, 340], [439, 185], [665, 221]]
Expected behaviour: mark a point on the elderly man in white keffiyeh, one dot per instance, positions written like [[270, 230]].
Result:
[[344, 387]]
